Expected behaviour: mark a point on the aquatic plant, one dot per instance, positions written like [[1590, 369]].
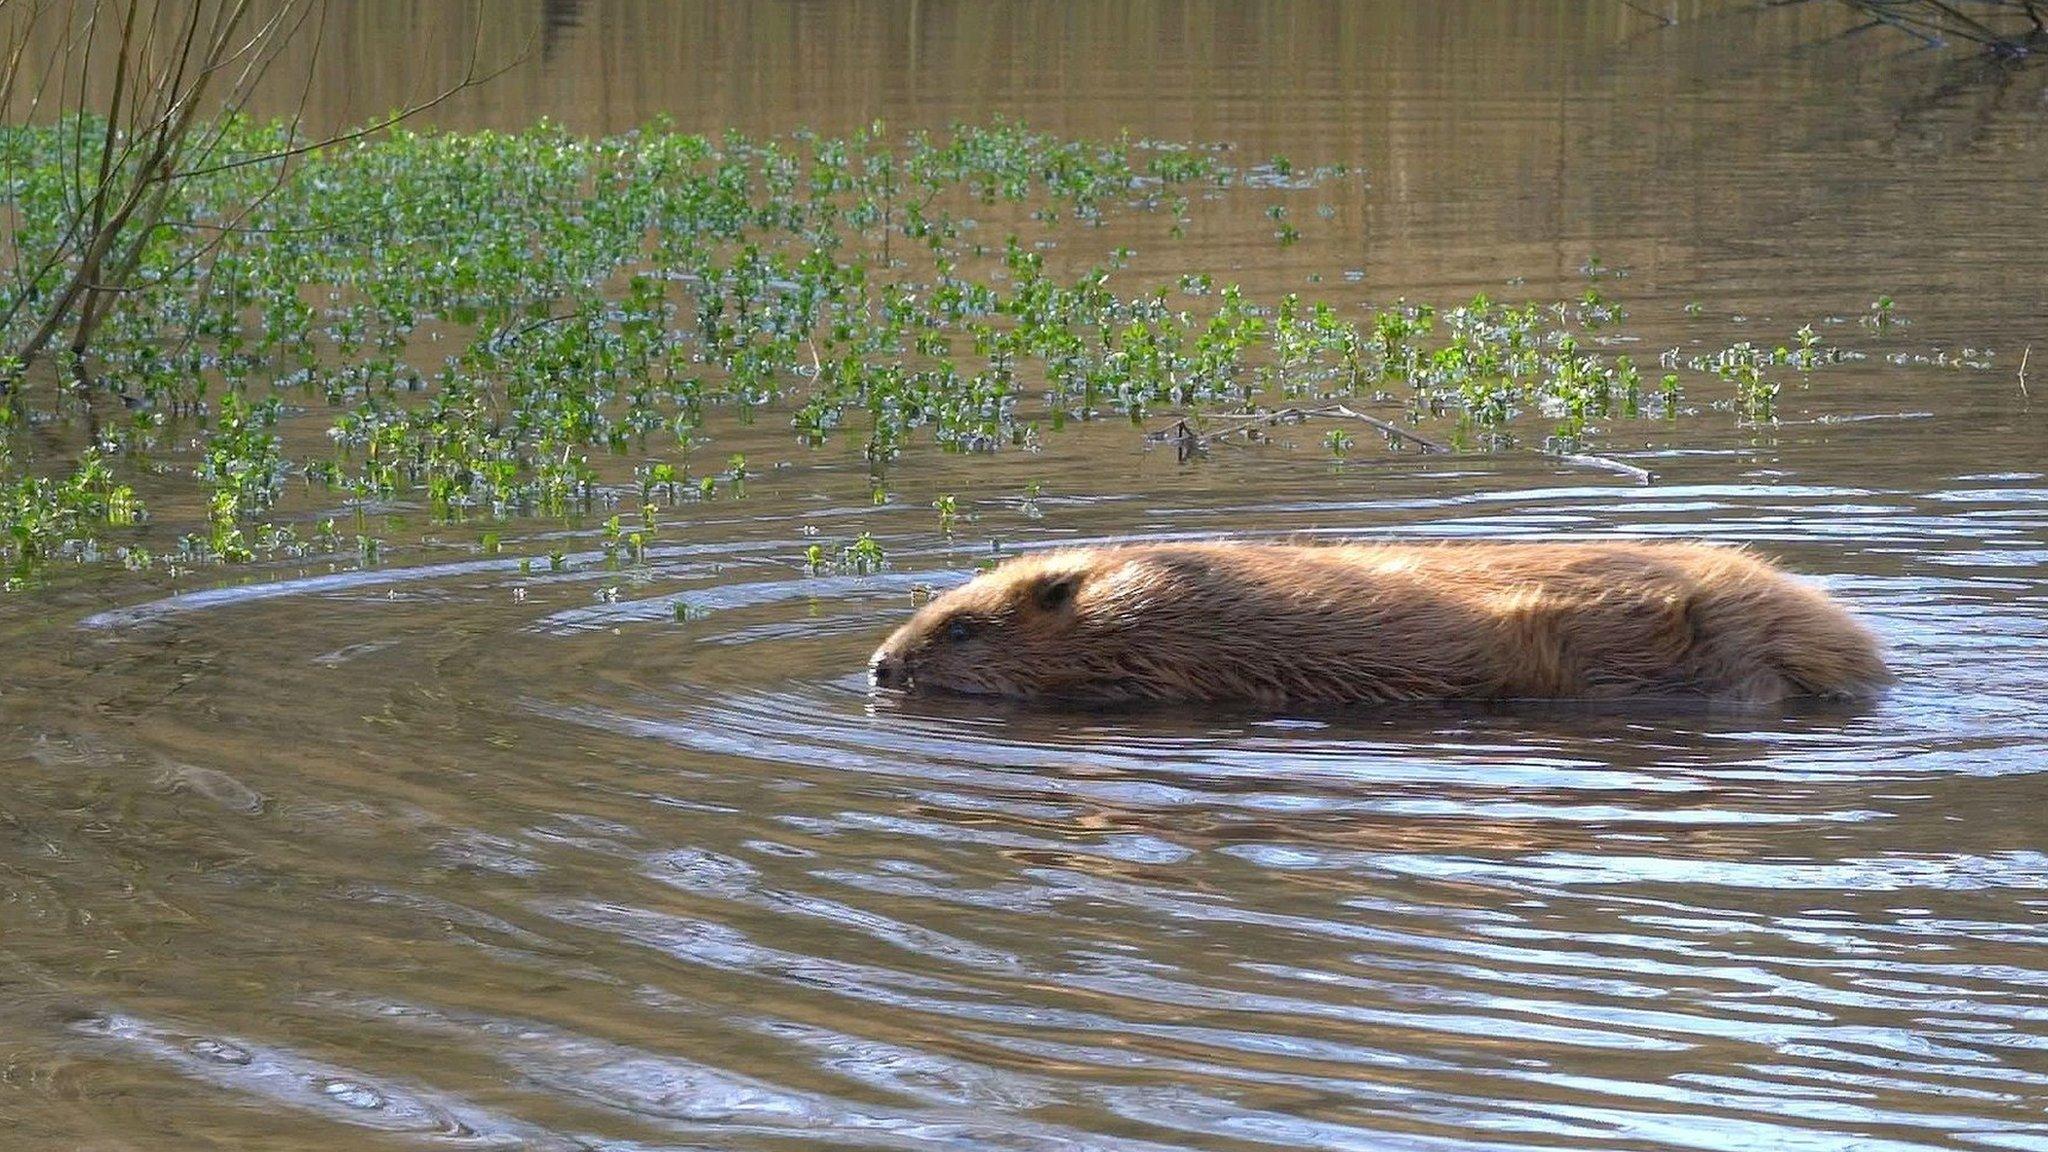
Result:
[[861, 557], [41, 515], [501, 325]]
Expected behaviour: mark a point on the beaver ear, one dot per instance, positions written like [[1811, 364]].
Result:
[[1056, 592]]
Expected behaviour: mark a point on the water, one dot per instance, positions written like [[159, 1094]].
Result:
[[444, 853]]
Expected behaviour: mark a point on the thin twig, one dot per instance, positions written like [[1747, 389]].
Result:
[[2023, 370], [468, 81], [1189, 442], [1393, 430], [1183, 437], [1931, 20], [1659, 17], [1603, 463], [1986, 35], [155, 140], [503, 338], [154, 168]]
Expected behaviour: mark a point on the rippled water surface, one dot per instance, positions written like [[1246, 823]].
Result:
[[448, 852]]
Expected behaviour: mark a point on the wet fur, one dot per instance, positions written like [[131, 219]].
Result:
[[1307, 625]]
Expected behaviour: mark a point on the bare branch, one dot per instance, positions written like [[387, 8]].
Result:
[[156, 138], [153, 170], [1604, 464], [1188, 442], [470, 80], [1393, 430], [238, 94], [14, 50], [1659, 17], [112, 127]]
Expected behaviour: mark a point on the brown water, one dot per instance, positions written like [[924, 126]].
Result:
[[443, 854]]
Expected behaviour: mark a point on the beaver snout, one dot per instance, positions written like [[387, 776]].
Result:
[[889, 671]]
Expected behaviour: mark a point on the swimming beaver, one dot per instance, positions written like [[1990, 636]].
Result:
[[1288, 624]]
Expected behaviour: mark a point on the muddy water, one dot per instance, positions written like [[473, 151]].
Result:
[[448, 853]]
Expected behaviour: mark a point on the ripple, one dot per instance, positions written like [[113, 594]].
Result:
[[531, 862], [688, 1097], [279, 1076], [724, 597]]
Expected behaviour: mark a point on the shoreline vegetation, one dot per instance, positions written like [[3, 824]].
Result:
[[501, 325]]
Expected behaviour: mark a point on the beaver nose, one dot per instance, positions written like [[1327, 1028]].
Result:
[[890, 671]]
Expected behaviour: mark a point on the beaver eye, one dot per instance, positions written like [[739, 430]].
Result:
[[959, 630]]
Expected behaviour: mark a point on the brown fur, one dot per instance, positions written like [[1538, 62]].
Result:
[[1286, 624]]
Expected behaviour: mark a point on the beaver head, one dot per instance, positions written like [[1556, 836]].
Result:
[[1041, 625]]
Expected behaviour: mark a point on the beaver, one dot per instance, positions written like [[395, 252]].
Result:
[[1286, 624]]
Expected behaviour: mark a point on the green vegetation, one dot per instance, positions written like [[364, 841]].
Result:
[[41, 517], [501, 325], [859, 558]]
